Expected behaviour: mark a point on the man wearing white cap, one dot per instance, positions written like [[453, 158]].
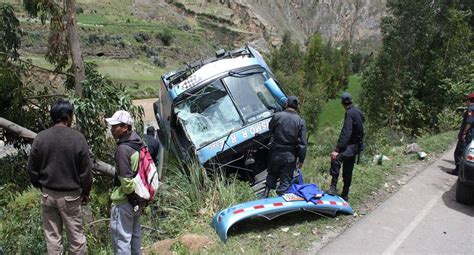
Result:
[[125, 216]]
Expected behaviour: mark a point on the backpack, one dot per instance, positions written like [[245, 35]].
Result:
[[145, 178]]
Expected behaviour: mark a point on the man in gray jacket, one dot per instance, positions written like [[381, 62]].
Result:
[[59, 165], [125, 216]]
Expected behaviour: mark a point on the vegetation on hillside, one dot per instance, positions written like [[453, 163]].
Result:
[[425, 67], [314, 75], [417, 79]]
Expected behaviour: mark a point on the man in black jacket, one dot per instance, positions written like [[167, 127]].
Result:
[[350, 144], [59, 165], [152, 143], [288, 148]]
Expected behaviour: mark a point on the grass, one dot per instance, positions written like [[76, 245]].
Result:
[[130, 69], [142, 79], [333, 112], [91, 19]]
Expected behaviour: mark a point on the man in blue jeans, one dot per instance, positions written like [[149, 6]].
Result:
[[125, 216]]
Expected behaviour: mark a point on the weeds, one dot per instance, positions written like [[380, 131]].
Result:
[[193, 195]]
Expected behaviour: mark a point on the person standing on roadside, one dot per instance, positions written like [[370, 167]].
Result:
[[288, 148], [125, 215], [152, 143], [350, 144], [464, 134], [59, 165]]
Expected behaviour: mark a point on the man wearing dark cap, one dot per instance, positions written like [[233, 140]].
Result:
[[288, 148], [350, 144], [465, 133]]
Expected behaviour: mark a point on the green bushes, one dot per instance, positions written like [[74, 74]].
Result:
[[142, 37], [21, 225], [448, 120], [166, 36], [315, 75], [421, 71]]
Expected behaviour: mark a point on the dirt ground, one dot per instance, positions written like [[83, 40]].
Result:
[[147, 104]]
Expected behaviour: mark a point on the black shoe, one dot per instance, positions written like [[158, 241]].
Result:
[[345, 196], [453, 172]]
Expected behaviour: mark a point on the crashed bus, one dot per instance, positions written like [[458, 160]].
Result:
[[216, 112]]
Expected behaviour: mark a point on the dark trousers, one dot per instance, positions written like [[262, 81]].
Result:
[[347, 159], [282, 165], [458, 152]]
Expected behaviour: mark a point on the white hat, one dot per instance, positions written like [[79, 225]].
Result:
[[120, 117]]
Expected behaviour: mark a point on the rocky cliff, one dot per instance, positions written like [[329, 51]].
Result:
[[356, 21]]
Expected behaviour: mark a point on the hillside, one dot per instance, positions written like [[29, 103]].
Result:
[[136, 41], [355, 21]]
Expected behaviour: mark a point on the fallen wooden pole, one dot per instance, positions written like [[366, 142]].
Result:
[[97, 165]]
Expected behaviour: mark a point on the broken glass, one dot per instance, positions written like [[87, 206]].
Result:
[[208, 114], [251, 96]]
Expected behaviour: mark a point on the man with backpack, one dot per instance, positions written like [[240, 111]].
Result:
[[125, 215]]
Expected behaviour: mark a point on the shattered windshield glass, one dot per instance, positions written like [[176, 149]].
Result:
[[251, 96], [208, 114]]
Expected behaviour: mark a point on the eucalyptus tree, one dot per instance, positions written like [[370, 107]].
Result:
[[64, 36]]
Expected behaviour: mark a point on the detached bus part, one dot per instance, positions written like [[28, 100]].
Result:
[[216, 112]]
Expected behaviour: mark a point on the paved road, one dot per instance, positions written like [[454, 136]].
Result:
[[423, 217]]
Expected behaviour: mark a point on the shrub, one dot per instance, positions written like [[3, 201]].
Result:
[[157, 61], [35, 36], [166, 36], [448, 120], [79, 10], [21, 230], [142, 37]]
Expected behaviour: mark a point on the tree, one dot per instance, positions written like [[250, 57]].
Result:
[[426, 51], [288, 57], [314, 76], [63, 40]]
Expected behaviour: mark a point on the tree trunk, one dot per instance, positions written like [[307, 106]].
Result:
[[75, 46], [21, 131], [97, 165]]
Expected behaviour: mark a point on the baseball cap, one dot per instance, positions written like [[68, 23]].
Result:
[[346, 98], [120, 117]]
